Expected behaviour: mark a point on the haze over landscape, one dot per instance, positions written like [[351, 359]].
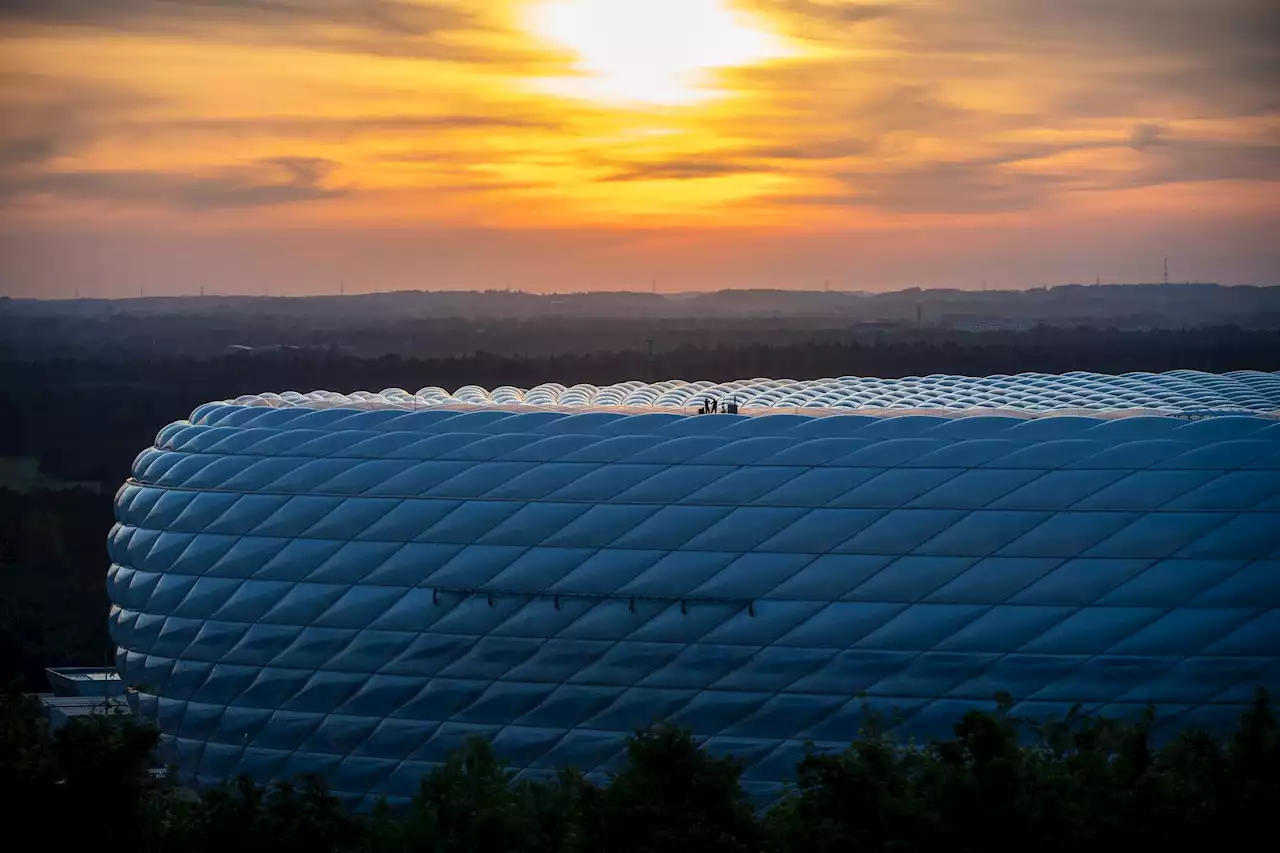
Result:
[[301, 146]]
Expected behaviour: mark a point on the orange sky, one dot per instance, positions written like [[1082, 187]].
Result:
[[568, 144]]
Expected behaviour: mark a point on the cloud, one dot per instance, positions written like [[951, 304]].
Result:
[[46, 118], [1078, 28], [336, 127], [1167, 159], [816, 20], [1145, 135], [976, 186], [394, 28], [806, 150], [837, 11], [50, 121], [681, 170], [25, 150], [1170, 27], [862, 101], [1024, 177], [739, 160], [1087, 57], [168, 15], [271, 181], [933, 88]]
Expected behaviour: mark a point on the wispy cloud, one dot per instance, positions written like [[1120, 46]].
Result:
[[414, 29], [183, 15], [335, 127], [978, 186], [1024, 177], [1089, 57], [1166, 158], [269, 182], [48, 117], [821, 21], [678, 170]]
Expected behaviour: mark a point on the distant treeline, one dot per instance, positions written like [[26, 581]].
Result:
[[85, 419], [444, 324], [53, 596]]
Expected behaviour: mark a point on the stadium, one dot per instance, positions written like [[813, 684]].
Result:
[[353, 585]]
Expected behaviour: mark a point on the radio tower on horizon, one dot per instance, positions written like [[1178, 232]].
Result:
[[1166, 269]]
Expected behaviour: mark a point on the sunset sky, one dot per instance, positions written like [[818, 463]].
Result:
[[283, 146]]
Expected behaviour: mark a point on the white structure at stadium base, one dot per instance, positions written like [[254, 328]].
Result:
[[1175, 391], [354, 585]]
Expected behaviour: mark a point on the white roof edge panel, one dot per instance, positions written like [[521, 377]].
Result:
[[1182, 394]]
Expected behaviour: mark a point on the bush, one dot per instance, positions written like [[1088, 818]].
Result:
[[999, 783]]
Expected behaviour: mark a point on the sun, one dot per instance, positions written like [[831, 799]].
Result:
[[650, 51]]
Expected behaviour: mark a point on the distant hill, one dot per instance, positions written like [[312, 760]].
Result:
[[445, 323]]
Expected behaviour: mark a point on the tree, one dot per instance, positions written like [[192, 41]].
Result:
[[28, 768], [673, 795], [1000, 782]]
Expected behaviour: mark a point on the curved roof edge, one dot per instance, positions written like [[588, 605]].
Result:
[[1183, 393]]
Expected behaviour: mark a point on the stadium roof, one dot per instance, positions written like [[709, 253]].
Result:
[[1181, 392]]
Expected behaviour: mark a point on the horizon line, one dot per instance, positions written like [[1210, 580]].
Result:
[[346, 293]]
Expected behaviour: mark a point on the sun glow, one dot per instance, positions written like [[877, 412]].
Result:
[[650, 51]]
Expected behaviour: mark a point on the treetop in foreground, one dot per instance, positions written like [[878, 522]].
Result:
[[1000, 782]]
